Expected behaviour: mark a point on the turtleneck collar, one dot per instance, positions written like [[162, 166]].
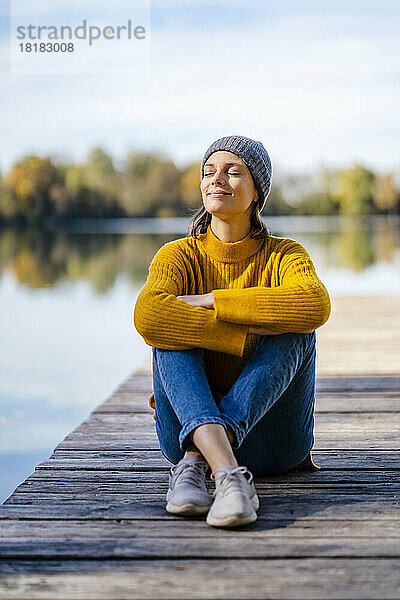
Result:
[[229, 252]]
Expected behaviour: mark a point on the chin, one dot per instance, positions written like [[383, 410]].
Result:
[[217, 209]]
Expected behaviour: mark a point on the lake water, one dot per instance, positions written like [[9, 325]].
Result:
[[67, 297]]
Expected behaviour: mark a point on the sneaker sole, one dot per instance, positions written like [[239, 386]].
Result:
[[187, 509], [255, 503], [234, 521]]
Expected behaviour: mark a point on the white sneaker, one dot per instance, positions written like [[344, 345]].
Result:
[[236, 500], [187, 493]]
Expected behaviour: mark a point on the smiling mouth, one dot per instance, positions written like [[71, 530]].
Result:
[[219, 194]]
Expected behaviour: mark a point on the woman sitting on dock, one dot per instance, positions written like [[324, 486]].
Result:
[[231, 313]]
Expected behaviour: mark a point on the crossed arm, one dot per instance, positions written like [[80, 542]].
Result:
[[207, 301], [167, 319]]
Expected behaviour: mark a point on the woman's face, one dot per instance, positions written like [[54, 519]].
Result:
[[227, 187]]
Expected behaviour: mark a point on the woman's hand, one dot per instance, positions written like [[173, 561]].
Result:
[[204, 300], [207, 301]]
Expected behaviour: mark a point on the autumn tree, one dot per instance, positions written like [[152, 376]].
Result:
[[354, 191], [30, 184], [150, 185], [385, 193]]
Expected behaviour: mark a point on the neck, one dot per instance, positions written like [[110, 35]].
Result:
[[232, 231], [229, 252]]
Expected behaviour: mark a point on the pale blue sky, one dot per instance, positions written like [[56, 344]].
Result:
[[316, 81]]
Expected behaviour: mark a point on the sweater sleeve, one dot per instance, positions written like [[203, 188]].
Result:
[[300, 304], [166, 322]]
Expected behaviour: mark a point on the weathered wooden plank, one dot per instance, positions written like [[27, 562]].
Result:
[[358, 403], [363, 383], [322, 476], [129, 422], [142, 487], [334, 404], [89, 511], [154, 460], [219, 579], [142, 424], [354, 500], [344, 494], [197, 547], [104, 496], [132, 398], [131, 395], [144, 460], [353, 396], [338, 383], [135, 397], [352, 430], [331, 404], [343, 440], [155, 477], [108, 407], [103, 441], [84, 499], [126, 528], [118, 422], [304, 506]]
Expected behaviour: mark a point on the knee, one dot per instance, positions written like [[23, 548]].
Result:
[[298, 344], [175, 361], [169, 445], [160, 353], [173, 456], [302, 340], [310, 338], [303, 337], [306, 338]]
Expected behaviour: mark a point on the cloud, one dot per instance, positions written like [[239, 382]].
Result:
[[315, 85]]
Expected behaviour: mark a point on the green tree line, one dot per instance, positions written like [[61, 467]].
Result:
[[38, 258], [146, 184]]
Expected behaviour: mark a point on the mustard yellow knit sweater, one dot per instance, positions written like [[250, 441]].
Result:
[[269, 282]]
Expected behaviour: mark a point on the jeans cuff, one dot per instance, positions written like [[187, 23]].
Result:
[[186, 429], [235, 428]]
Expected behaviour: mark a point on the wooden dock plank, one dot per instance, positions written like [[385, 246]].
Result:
[[101, 495], [199, 547], [247, 579], [127, 528], [64, 477], [139, 460], [330, 506]]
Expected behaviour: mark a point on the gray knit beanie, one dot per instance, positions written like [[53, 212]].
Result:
[[255, 157]]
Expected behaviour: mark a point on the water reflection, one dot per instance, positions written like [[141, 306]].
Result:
[[67, 297], [40, 259]]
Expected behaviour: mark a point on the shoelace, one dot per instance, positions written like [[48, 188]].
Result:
[[229, 483], [188, 472]]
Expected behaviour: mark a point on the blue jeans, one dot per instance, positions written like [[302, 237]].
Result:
[[270, 407]]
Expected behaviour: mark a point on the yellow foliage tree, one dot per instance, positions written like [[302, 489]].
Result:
[[30, 181], [354, 190], [386, 195]]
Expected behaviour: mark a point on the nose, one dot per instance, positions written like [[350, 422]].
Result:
[[218, 177]]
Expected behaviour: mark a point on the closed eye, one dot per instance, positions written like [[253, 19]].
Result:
[[229, 173]]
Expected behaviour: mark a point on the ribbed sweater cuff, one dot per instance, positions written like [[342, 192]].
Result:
[[230, 305], [224, 336]]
